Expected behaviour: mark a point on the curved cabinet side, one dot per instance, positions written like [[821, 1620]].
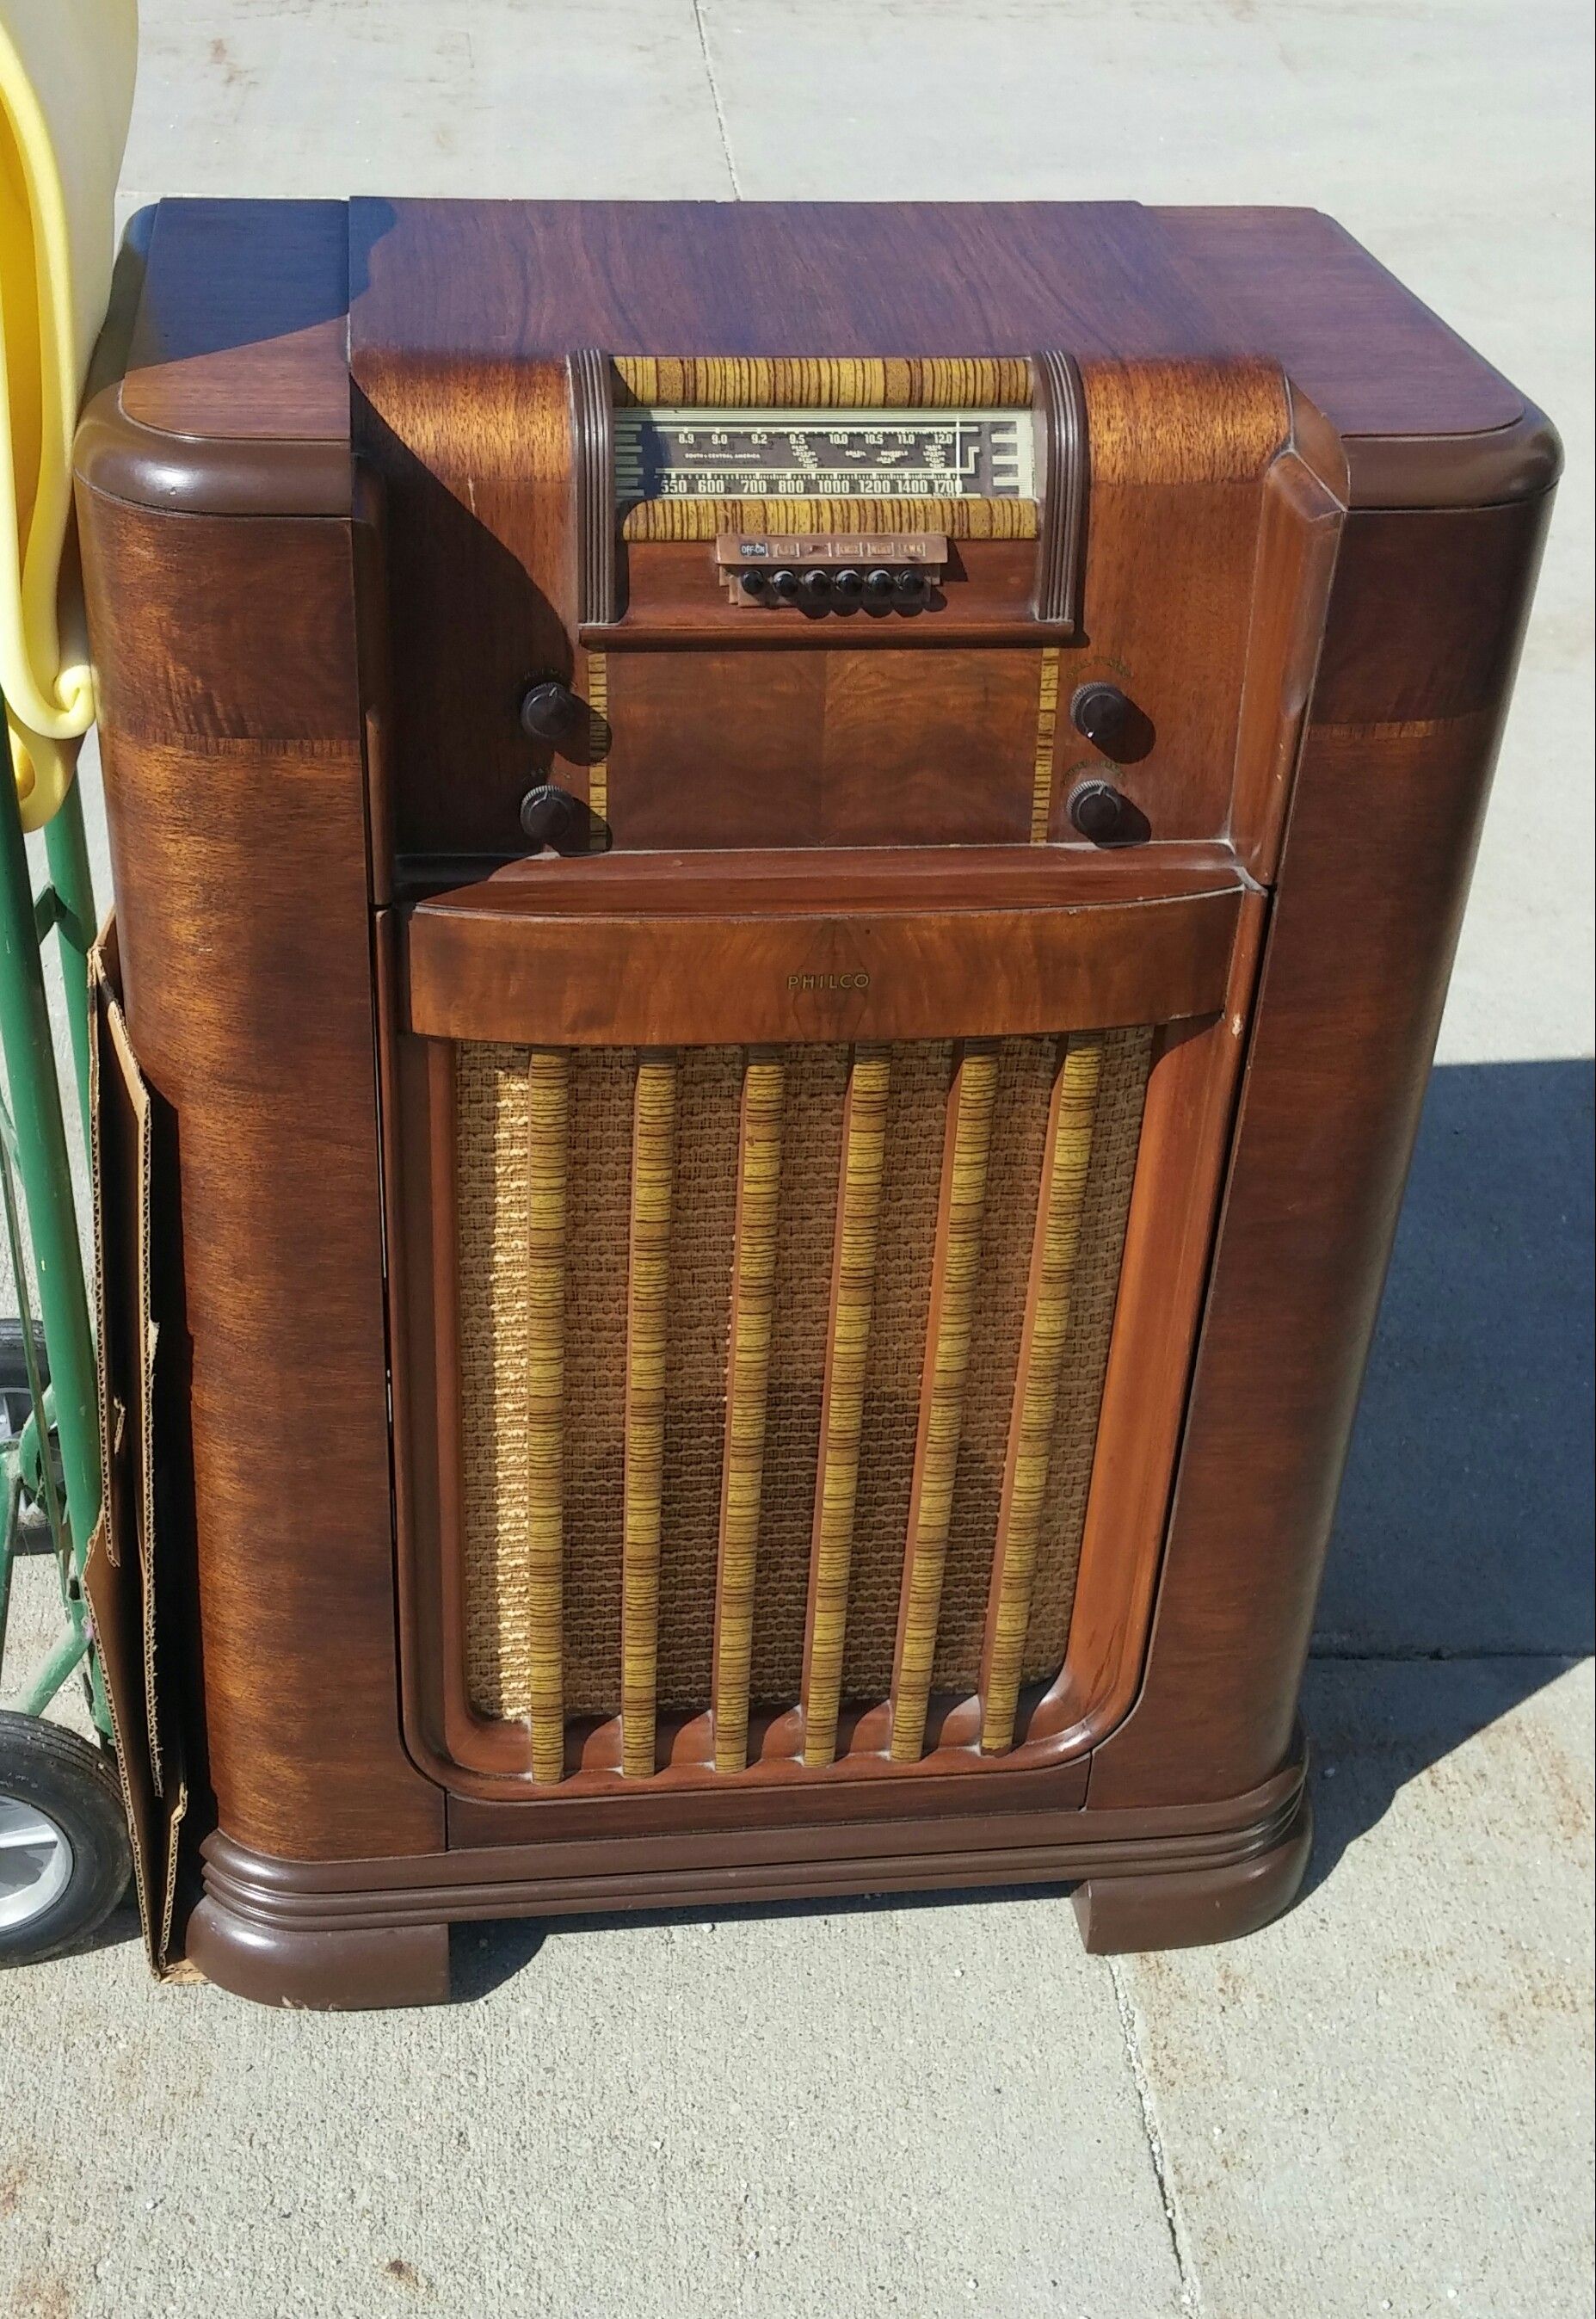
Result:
[[1425, 621], [235, 794]]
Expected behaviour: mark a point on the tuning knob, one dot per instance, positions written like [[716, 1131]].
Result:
[[551, 711], [1098, 811], [1113, 724], [552, 817]]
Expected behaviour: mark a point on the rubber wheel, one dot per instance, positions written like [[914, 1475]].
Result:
[[65, 1859]]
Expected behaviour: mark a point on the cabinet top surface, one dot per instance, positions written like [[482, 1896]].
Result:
[[244, 312]]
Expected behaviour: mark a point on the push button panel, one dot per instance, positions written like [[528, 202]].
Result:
[[826, 573]]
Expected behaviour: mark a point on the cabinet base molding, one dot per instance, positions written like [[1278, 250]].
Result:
[[353, 1934]]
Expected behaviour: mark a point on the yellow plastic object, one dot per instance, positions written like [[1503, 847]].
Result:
[[66, 93]]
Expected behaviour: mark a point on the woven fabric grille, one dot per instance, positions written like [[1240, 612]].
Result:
[[544, 1642]]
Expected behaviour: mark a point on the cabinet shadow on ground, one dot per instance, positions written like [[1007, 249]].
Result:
[[1466, 1518]]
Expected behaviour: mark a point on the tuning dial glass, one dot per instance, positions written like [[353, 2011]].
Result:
[[668, 453]]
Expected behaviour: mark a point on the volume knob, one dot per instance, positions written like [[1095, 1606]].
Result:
[[1113, 725], [1098, 811], [551, 711], [553, 819]]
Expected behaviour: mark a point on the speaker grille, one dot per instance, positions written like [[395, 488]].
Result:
[[780, 1371]]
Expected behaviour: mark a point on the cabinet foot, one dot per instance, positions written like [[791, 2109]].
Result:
[[1176, 1908], [325, 1970]]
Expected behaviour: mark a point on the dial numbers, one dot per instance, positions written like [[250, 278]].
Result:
[[944, 455]]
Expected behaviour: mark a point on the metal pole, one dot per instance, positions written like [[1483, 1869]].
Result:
[[65, 849], [42, 1163]]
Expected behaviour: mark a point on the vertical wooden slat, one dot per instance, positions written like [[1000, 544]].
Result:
[[1057, 1241], [654, 1162], [853, 1274], [956, 1266], [748, 1363], [548, 1117]]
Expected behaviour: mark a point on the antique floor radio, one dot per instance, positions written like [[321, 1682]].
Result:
[[784, 878]]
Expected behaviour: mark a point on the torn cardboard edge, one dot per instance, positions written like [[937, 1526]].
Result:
[[120, 1568]]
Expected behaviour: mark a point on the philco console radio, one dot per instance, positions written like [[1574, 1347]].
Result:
[[784, 876]]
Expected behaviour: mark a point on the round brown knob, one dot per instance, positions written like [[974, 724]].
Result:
[[551, 711], [1098, 811], [552, 817], [1113, 724]]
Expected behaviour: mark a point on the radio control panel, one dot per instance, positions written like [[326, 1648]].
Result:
[[880, 571]]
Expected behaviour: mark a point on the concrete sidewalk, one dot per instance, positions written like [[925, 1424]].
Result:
[[943, 2108]]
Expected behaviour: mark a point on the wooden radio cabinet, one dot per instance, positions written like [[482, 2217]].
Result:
[[784, 876]]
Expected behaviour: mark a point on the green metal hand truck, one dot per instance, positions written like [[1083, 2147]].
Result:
[[65, 1857]]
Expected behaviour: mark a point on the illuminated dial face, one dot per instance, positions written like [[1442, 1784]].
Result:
[[942, 455]]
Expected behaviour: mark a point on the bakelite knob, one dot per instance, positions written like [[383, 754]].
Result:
[[1101, 715], [785, 584], [877, 587], [908, 585], [551, 711], [815, 586], [847, 586], [1098, 811], [552, 817], [752, 583]]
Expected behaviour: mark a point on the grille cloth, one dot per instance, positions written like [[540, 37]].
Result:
[[492, 1122]]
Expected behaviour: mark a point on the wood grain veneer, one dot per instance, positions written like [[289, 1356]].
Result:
[[827, 928]]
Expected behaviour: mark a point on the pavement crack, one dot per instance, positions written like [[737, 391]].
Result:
[[1185, 2268], [725, 143], [1397, 1656]]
